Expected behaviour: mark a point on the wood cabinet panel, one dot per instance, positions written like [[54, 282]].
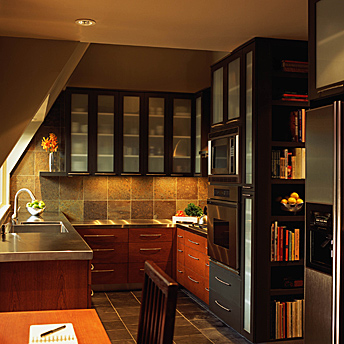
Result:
[[194, 282], [180, 236], [136, 271], [196, 242], [180, 254], [156, 251], [109, 273], [118, 253], [180, 274], [107, 234], [150, 234], [195, 260]]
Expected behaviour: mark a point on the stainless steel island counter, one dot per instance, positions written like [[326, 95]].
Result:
[[44, 243]]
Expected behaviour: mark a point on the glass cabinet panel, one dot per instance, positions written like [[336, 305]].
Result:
[[182, 136], [131, 134], [234, 89], [249, 118], [156, 137], [198, 134], [218, 96], [79, 132], [105, 134]]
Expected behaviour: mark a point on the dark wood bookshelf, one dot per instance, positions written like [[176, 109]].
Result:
[[288, 263], [294, 104], [291, 291], [288, 144], [283, 74], [287, 181], [290, 218]]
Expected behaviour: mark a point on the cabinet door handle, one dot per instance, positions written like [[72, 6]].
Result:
[[180, 271], [194, 242], [180, 250], [207, 289], [192, 280], [142, 269], [193, 257], [103, 249], [179, 236], [220, 280], [150, 249], [150, 235], [103, 270], [92, 267], [223, 307], [206, 264], [98, 235], [246, 187], [246, 195]]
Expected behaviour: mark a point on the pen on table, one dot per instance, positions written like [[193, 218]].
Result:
[[53, 331]]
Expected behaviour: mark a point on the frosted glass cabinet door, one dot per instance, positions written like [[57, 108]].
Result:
[[249, 120], [198, 134], [181, 136], [234, 89], [217, 96], [131, 134], [79, 133], [105, 134], [156, 137]]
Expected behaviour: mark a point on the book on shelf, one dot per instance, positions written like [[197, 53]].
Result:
[[294, 66], [297, 124], [287, 319], [285, 243], [288, 164]]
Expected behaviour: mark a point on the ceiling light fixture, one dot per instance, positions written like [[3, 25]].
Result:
[[85, 22]]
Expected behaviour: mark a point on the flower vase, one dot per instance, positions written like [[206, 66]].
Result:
[[52, 163]]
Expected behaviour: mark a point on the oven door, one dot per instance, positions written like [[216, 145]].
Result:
[[223, 232]]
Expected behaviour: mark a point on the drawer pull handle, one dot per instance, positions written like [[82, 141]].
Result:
[[150, 249], [103, 249], [193, 257], [220, 280], [180, 271], [92, 267], [142, 269], [206, 264], [103, 270], [92, 292], [179, 236], [225, 308], [150, 235], [180, 250], [98, 235], [207, 289], [194, 242], [192, 279]]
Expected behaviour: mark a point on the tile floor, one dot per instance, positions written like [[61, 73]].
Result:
[[119, 313]]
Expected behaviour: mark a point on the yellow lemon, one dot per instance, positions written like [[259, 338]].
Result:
[[299, 200], [284, 201], [294, 195], [291, 200]]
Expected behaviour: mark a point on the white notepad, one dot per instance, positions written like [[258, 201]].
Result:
[[64, 336]]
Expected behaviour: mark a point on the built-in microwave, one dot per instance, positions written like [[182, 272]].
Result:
[[223, 150]]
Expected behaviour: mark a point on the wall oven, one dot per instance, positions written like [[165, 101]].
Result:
[[223, 224], [223, 148]]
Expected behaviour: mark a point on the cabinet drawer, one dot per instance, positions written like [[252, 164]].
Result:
[[180, 236], [150, 234], [156, 251], [98, 235], [109, 273], [206, 275], [180, 253], [225, 283], [180, 274], [136, 271], [206, 291], [118, 253], [195, 261], [195, 241], [194, 283], [226, 310]]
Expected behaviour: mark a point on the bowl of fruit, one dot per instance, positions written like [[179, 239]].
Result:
[[293, 203], [36, 207]]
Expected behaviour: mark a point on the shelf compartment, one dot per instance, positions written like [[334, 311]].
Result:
[[287, 181], [288, 144], [294, 104], [291, 291]]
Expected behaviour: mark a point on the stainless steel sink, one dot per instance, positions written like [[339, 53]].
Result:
[[53, 227]]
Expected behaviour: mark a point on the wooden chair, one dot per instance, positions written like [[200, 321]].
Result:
[[158, 306]]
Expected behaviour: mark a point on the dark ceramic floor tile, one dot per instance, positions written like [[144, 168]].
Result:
[[121, 341], [190, 307], [208, 323], [198, 338], [185, 330], [120, 295], [132, 329], [125, 303], [119, 335], [181, 321], [126, 311], [197, 315], [130, 319], [114, 325], [224, 335]]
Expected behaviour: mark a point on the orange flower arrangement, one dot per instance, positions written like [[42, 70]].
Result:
[[50, 143]]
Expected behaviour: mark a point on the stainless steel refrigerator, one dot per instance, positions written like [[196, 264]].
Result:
[[323, 194]]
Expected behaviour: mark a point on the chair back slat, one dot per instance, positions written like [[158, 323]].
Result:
[[158, 307]]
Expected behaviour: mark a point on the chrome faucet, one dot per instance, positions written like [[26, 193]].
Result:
[[15, 215]]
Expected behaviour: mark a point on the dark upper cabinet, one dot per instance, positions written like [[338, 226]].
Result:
[[135, 133], [326, 50]]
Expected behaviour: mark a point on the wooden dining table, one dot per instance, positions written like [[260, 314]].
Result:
[[15, 326]]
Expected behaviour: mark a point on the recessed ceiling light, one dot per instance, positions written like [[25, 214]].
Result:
[[85, 22]]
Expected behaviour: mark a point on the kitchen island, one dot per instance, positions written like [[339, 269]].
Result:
[[44, 269]]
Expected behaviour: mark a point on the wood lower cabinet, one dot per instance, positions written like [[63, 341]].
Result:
[[119, 253], [192, 269]]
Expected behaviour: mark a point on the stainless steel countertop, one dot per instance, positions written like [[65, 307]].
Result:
[[125, 223], [44, 246]]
